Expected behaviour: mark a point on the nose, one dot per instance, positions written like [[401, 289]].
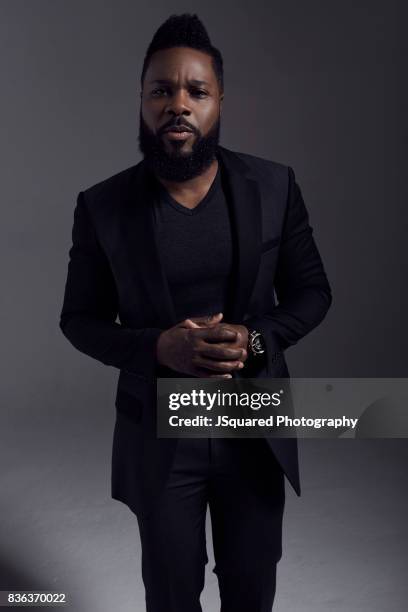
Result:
[[178, 103]]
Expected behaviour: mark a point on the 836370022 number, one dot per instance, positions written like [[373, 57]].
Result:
[[34, 598]]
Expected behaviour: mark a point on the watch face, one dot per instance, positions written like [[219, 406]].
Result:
[[257, 345]]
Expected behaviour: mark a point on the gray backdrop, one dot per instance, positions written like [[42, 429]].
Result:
[[322, 86]]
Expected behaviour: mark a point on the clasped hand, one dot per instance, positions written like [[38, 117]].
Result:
[[204, 347]]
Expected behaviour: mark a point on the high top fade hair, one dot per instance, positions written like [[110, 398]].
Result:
[[184, 31]]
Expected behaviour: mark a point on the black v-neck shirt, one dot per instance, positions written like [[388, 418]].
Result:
[[195, 247]]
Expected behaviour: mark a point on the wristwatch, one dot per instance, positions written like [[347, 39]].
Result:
[[256, 343]]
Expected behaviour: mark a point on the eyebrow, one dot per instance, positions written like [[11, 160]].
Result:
[[195, 82]]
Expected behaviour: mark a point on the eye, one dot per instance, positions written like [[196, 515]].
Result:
[[158, 92], [198, 93]]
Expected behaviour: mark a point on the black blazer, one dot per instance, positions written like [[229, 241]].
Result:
[[117, 300]]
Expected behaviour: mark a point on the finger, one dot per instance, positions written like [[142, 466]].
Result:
[[209, 321], [197, 322], [190, 324], [240, 341], [186, 324], [217, 366], [216, 334], [214, 319], [221, 352]]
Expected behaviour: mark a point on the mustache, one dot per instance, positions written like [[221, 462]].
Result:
[[178, 124]]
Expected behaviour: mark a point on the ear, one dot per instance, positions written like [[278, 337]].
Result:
[[221, 100]]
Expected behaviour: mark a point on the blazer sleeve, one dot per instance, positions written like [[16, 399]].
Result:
[[90, 306], [301, 285]]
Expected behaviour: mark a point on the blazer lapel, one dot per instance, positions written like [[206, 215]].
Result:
[[246, 218], [138, 228]]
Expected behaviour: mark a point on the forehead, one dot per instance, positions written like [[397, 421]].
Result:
[[180, 63]]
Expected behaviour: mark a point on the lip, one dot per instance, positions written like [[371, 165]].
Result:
[[177, 135], [178, 128]]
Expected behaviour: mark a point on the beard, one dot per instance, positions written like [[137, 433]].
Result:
[[178, 166]]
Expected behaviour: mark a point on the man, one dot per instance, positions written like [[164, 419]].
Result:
[[187, 248]]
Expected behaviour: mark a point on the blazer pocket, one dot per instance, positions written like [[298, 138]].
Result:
[[129, 405], [270, 244]]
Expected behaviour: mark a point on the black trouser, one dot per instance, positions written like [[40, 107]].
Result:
[[244, 487]]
